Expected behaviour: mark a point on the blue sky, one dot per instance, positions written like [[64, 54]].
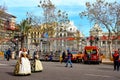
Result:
[[19, 8]]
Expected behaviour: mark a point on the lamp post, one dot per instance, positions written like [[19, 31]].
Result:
[[41, 46]]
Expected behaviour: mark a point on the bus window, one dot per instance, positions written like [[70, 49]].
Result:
[[94, 51]]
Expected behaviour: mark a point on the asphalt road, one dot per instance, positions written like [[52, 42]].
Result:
[[58, 71]]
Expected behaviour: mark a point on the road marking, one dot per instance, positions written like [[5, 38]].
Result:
[[3, 64], [105, 76]]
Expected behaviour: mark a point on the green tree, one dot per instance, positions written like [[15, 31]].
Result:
[[24, 27]]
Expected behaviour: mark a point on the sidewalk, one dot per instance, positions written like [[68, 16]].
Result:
[[107, 61], [1, 58], [104, 61]]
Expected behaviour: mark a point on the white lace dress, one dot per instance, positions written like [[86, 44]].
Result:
[[25, 67]]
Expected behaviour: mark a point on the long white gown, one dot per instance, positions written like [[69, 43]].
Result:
[[36, 64], [25, 67], [22, 67]]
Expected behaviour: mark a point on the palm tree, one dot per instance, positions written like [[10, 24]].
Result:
[[24, 27]]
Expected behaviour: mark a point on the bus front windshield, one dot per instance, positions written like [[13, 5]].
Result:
[[94, 51], [91, 51]]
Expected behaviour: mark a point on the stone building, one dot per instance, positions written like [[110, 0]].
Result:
[[59, 37], [7, 27], [100, 39]]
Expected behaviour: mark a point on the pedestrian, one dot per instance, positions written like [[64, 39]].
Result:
[[36, 65], [20, 51], [28, 52], [116, 60], [46, 57], [8, 54], [23, 66], [5, 54], [63, 56], [50, 57], [69, 56]]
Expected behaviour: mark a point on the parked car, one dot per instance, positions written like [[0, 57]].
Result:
[[76, 56]]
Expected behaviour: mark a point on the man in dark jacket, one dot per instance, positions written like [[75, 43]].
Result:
[[8, 54], [69, 56], [116, 60], [63, 56]]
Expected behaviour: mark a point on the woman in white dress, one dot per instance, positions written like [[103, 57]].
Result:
[[23, 66], [20, 52], [36, 65]]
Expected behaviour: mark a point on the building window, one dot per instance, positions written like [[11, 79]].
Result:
[[61, 35], [64, 35], [70, 29], [103, 42], [60, 29], [118, 42], [113, 42]]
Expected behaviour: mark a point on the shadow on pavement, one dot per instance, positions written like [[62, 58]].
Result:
[[10, 73], [105, 69]]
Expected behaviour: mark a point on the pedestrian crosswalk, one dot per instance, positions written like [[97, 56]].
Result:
[[3, 64]]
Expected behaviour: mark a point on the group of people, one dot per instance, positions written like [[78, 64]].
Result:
[[116, 59], [7, 54], [24, 66]]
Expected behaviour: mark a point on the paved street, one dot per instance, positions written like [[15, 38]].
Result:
[[57, 71]]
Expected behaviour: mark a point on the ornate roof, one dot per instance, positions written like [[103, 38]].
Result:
[[95, 28]]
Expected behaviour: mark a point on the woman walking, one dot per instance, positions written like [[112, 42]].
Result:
[[36, 64], [23, 66]]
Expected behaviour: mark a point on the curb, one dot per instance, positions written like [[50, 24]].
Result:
[[107, 62]]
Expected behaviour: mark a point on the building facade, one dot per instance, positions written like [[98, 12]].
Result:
[[59, 38], [101, 40], [7, 27]]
